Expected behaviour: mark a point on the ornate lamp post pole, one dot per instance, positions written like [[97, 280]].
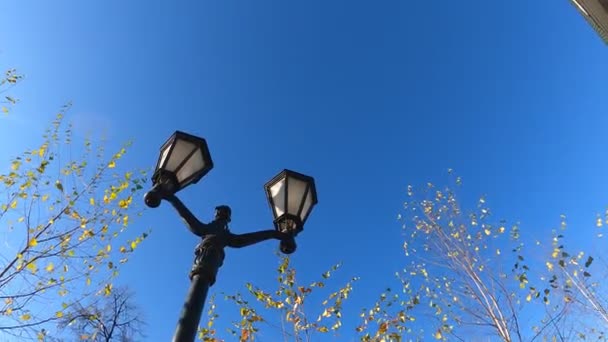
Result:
[[184, 159]]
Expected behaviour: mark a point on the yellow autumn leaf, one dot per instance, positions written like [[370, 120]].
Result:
[[88, 281], [33, 242], [108, 248], [598, 223], [123, 249], [501, 230], [26, 317], [32, 267], [112, 164], [123, 204], [438, 335], [123, 185], [15, 165], [497, 251], [45, 197], [107, 289], [59, 314], [13, 204], [549, 266], [487, 231], [42, 150], [50, 267], [529, 297], [8, 311], [92, 201]]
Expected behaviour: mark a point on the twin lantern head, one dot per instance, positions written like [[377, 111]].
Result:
[[184, 159]]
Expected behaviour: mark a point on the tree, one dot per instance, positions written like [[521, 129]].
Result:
[[289, 301], [64, 207], [10, 79], [112, 318], [463, 270], [579, 278]]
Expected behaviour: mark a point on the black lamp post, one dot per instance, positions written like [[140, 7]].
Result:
[[184, 159]]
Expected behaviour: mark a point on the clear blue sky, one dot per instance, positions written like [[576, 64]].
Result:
[[365, 96]]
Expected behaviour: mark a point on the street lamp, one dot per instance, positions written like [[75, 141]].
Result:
[[184, 159]]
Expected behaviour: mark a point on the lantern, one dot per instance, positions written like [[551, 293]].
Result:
[[291, 196], [184, 159]]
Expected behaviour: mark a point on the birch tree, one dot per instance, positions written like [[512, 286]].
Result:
[[65, 206]]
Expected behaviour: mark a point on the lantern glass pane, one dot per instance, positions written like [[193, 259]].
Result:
[[194, 164], [181, 150], [277, 192], [163, 156], [307, 205], [295, 194]]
